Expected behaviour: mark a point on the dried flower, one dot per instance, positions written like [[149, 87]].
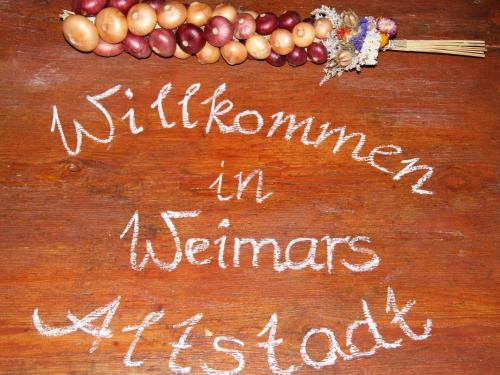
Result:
[[384, 39], [342, 33], [388, 26], [344, 58], [350, 19], [358, 39]]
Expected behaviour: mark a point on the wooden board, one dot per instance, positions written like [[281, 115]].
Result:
[[62, 216]]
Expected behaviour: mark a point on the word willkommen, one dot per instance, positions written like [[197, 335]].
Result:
[[222, 107]]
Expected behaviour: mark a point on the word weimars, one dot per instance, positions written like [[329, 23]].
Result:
[[233, 347], [196, 249], [220, 107]]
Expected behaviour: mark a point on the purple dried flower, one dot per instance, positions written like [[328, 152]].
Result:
[[387, 25], [358, 39]]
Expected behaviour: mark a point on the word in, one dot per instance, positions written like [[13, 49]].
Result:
[[243, 183]]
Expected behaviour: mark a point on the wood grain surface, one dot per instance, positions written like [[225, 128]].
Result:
[[61, 216]]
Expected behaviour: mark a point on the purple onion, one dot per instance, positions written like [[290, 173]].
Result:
[[288, 20], [266, 23], [219, 31], [245, 26], [88, 7], [155, 4], [122, 5], [275, 59], [308, 20], [317, 52], [190, 38], [106, 49], [162, 42], [137, 46], [297, 57]]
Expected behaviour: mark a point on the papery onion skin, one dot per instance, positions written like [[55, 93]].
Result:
[[88, 7], [317, 53], [111, 25], [303, 34], [282, 41], [234, 53], [219, 31], [80, 33], [323, 27], [137, 46], [180, 54], [309, 20], [106, 49], [141, 19], [266, 23], [288, 20], [190, 38], [172, 14], [155, 4], [253, 13], [122, 5], [162, 42], [245, 26], [275, 59], [198, 13], [258, 47], [208, 54], [227, 11], [297, 57]]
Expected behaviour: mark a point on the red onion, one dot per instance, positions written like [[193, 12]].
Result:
[[88, 7], [266, 23], [276, 59], [137, 46], [308, 20], [288, 20], [318, 53], [106, 49], [190, 38], [219, 31], [155, 4], [122, 5], [245, 26], [162, 41], [297, 57]]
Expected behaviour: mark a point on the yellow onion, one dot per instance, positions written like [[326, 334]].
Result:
[[258, 47], [323, 27], [198, 13], [180, 54], [282, 41], [344, 59], [111, 25], [141, 19], [303, 34], [227, 11], [172, 15], [80, 33], [208, 54], [234, 53], [253, 13]]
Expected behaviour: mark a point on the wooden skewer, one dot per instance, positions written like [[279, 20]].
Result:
[[472, 48]]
